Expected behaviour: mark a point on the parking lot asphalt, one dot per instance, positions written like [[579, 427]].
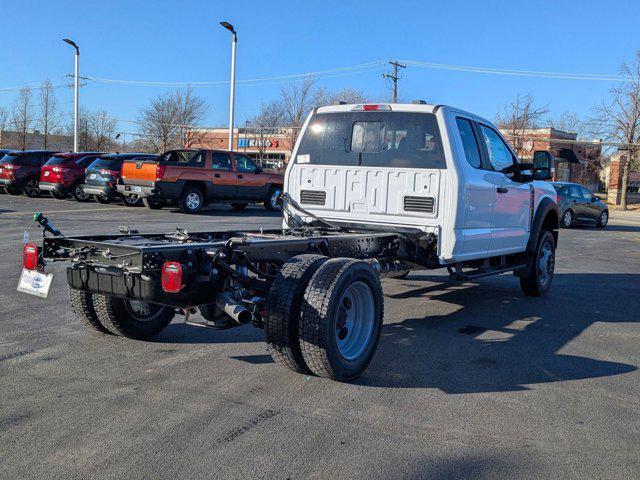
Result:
[[470, 380]]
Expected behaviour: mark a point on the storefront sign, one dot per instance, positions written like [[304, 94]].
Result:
[[257, 143]]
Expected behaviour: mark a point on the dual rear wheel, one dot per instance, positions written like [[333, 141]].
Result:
[[324, 316]]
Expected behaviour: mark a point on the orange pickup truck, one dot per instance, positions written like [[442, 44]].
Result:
[[194, 177]]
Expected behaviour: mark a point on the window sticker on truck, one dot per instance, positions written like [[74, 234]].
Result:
[[303, 158]]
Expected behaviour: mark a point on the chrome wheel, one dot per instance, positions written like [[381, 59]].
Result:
[[355, 322], [192, 201], [567, 218], [31, 188], [604, 218], [80, 194], [274, 199], [143, 311], [546, 263]]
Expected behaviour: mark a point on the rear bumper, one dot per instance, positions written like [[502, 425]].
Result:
[[146, 287], [100, 190], [9, 183], [52, 187], [140, 191]]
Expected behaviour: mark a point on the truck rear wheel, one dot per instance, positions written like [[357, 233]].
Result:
[[82, 305], [132, 318], [543, 260], [341, 319], [282, 310], [192, 200]]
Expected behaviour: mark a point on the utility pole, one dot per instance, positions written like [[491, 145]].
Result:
[[75, 91], [234, 40], [394, 78]]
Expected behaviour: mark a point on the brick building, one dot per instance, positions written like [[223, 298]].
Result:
[[35, 141], [271, 148], [574, 162]]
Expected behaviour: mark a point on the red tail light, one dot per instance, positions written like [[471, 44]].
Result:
[[30, 256], [171, 277], [160, 169], [8, 166], [369, 107], [106, 171]]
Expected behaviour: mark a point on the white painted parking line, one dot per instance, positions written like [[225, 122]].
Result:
[[80, 210]]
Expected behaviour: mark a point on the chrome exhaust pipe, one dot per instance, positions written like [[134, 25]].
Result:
[[233, 308]]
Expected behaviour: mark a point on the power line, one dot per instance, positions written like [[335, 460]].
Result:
[[521, 73]]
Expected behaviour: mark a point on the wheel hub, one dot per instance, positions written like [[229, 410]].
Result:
[[193, 201], [546, 263], [355, 322]]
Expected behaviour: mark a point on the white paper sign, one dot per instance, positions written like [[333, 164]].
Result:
[[303, 158], [35, 283]]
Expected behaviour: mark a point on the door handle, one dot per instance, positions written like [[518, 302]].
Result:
[[239, 176], [502, 190], [217, 175]]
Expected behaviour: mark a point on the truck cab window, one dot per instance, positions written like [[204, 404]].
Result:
[[469, 142], [500, 156], [220, 161], [244, 164]]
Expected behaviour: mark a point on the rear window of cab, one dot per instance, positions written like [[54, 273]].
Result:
[[373, 139]]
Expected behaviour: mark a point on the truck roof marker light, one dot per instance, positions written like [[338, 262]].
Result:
[[171, 277], [30, 256], [367, 107]]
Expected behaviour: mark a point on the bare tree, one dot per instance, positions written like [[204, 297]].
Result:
[[518, 117], [4, 121], [266, 123], [568, 122], [190, 110], [619, 119], [168, 122], [323, 96], [296, 100], [49, 118], [102, 129], [21, 115]]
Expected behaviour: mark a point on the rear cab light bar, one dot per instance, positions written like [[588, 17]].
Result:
[[367, 107]]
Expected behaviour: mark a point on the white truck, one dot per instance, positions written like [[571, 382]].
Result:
[[371, 190]]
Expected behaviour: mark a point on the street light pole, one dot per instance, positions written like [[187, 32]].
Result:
[[229, 27], [75, 91]]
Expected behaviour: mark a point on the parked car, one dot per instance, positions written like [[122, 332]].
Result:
[[193, 178], [3, 152], [103, 175], [578, 204], [63, 174], [20, 171]]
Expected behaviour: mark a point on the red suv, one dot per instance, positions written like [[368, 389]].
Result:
[[20, 171], [63, 174]]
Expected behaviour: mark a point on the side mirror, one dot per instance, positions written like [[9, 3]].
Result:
[[542, 162], [594, 199]]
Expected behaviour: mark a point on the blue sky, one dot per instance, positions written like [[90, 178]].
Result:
[[181, 41]]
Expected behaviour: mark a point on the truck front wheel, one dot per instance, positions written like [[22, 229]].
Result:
[[541, 268], [132, 318], [282, 310], [341, 319]]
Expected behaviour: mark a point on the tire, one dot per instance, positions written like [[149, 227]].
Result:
[[59, 195], [603, 219], [31, 188], [120, 317], [192, 200], [82, 305], [152, 204], [538, 281], [239, 206], [271, 202], [79, 195], [130, 201], [566, 221], [282, 311], [341, 319], [103, 199]]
